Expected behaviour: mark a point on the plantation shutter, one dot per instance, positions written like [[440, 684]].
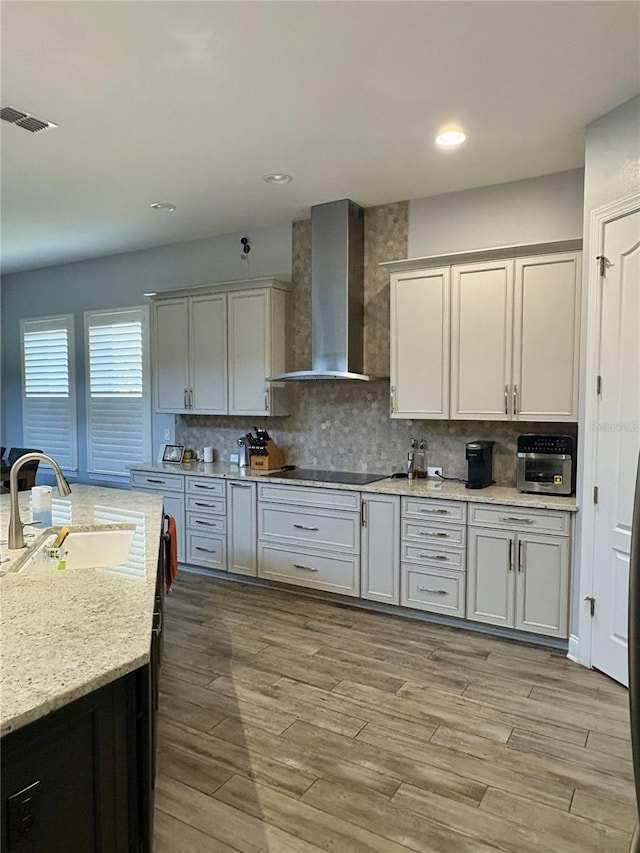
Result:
[[118, 400], [48, 389]]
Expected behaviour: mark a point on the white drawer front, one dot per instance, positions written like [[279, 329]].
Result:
[[452, 535], [159, 482], [331, 572], [437, 591], [205, 504], [209, 551], [436, 510], [454, 558], [204, 486], [336, 531], [516, 518], [309, 496], [206, 524]]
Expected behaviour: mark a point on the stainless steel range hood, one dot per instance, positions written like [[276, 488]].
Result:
[[337, 293]]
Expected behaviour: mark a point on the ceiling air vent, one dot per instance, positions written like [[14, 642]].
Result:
[[25, 120]]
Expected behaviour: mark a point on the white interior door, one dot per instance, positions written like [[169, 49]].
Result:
[[618, 442]]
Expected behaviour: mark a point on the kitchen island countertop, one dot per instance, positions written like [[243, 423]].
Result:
[[446, 490], [66, 633]]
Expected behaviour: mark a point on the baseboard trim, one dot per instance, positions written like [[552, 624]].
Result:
[[574, 648]]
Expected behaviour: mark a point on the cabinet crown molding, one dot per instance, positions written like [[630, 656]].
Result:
[[225, 287], [488, 254]]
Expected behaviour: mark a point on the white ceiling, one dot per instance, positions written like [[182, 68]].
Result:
[[193, 102]]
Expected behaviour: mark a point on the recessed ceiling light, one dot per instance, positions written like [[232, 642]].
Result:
[[450, 138], [162, 205], [277, 178]]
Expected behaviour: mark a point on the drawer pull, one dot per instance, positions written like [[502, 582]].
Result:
[[517, 518], [432, 591], [159, 482], [200, 503], [205, 523], [431, 533], [200, 486], [304, 527], [434, 557], [435, 511], [208, 550], [306, 568]]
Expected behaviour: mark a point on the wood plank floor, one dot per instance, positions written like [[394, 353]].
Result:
[[294, 725]]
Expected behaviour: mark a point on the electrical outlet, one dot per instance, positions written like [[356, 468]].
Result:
[[435, 472], [167, 435], [233, 458]]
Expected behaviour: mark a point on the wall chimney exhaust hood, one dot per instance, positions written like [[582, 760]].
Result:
[[337, 293]]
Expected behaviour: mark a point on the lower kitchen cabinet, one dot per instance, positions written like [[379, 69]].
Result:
[[242, 528], [171, 487], [206, 522], [328, 571], [518, 580], [380, 548]]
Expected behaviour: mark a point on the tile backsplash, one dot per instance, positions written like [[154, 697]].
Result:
[[345, 425]]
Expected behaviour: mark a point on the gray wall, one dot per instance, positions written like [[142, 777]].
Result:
[[531, 211], [612, 172], [119, 281]]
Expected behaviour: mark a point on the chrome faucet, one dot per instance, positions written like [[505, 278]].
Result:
[[16, 536]]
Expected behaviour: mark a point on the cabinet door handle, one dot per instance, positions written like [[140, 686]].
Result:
[[266, 399], [432, 591], [510, 555], [159, 482], [434, 557], [304, 527], [520, 566], [207, 550], [364, 513], [506, 399], [517, 518], [515, 400], [186, 398], [306, 568], [432, 533], [393, 399]]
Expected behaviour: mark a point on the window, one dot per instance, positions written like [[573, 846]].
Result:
[[48, 389], [118, 400]]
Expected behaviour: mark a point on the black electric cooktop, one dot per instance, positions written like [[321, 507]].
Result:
[[346, 477]]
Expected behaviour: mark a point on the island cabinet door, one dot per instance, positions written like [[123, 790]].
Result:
[[380, 547], [490, 576]]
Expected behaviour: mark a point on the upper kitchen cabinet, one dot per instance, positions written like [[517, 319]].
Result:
[[214, 347], [494, 338], [420, 344]]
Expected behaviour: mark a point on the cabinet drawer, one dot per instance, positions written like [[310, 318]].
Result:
[[304, 567], [309, 496], [205, 504], [204, 486], [206, 524], [439, 510], [452, 535], [159, 482], [454, 558], [336, 531], [437, 591], [516, 518], [205, 550]]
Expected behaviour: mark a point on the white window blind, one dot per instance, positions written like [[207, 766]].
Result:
[[118, 400], [48, 389]]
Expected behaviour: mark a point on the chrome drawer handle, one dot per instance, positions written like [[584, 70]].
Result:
[[304, 527], [208, 550], [306, 568], [199, 503], [432, 591], [429, 533], [434, 557], [435, 511], [159, 482], [200, 486], [206, 523], [517, 518]]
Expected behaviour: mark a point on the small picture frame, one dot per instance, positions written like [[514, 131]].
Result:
[[173, 453]]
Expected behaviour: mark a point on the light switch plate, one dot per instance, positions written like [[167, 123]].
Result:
[[233, 458]]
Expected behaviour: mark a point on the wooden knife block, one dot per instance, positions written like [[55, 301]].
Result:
[[273, 459]]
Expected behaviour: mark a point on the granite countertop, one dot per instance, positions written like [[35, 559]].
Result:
[[66, 633], [452, 491]]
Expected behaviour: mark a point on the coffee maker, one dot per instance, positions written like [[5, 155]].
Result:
[[479, 455]]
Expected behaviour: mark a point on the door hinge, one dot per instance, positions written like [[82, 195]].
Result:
[[599, 386], [595, 494], [605, 263], [592, 604]]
